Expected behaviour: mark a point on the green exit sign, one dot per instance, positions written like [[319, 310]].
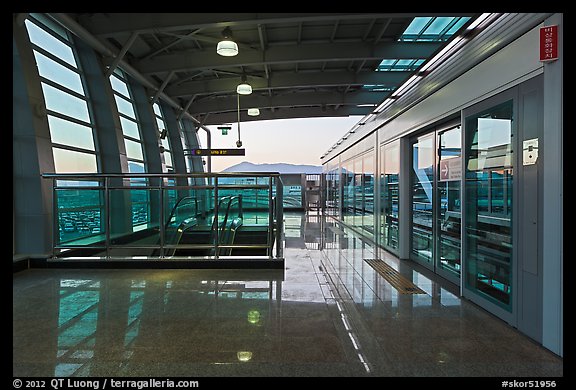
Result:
[[224, 129]]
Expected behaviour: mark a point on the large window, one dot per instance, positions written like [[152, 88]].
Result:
[[72, 129], [139, 199], [163, 129], [129, 122], [67, 103]]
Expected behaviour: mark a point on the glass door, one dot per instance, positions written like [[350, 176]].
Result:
[[448, 216], [389, 195], [435, 201], [489, 174], [422, 200]]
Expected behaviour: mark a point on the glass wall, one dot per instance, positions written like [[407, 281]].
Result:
[[163, 131], [435, 201], [489, 178], [389, 195], [348, 192], [421, 185], [129, 122], [448, 218], [357, 181], [333, 189], [368, 193], [68, 106], [72, 128]]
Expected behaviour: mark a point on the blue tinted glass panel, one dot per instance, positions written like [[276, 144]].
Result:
[[119, 85], [124, 106], [133, 150], [457, 26], [64, 103], [438, 25], [69, 161], [50, 43], [58, 73], [70, 133], [417, 25], [129, 128], [135, 167]]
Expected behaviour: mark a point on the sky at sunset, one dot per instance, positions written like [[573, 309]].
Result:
[[294, 141]]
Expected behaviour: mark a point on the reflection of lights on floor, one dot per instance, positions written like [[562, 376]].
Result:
[[254, 316], [244, 356]]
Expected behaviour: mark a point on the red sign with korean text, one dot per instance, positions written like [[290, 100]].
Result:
[[548, 43]]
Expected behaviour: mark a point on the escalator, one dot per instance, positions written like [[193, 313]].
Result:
[[187, 227]]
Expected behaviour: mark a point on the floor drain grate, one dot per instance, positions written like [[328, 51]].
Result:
[[399, 282]]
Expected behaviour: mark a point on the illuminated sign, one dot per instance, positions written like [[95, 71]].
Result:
[[224, 129], [548, 43], [218, 152]]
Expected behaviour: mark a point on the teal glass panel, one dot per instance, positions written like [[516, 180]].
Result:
[[70, 133], [417, 25], [134, 216], [422, 179], [489, 173], [64, 103], [60, 74], [438, 25], [71, 161], [456, 26], [80, 216]]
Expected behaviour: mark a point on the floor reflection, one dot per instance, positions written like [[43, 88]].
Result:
[[329, 314]]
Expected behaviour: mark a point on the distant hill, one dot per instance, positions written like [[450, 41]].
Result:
[[246, 166]]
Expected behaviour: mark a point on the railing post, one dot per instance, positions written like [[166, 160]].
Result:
[[216, 223], [270, 218], [55, 224], [107, 209], [161, 216], [279, 217]]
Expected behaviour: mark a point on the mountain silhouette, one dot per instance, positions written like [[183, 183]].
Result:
[[246, 166]]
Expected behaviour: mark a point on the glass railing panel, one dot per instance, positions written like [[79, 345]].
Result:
[[156, 216], [134, 217], [79, 215]]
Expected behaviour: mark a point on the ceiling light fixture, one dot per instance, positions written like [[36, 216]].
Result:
[[253, 112], [227, 47], [244, 88]]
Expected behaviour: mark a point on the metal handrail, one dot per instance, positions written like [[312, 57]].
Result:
[[107, 184]]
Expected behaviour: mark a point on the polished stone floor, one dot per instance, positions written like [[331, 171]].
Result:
[[327, 314]]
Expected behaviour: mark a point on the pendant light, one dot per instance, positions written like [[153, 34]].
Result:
[[227, 47]]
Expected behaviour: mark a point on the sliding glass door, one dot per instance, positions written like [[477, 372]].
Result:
[[422, 199], [436, 171], [448, 217], [489, 177]]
